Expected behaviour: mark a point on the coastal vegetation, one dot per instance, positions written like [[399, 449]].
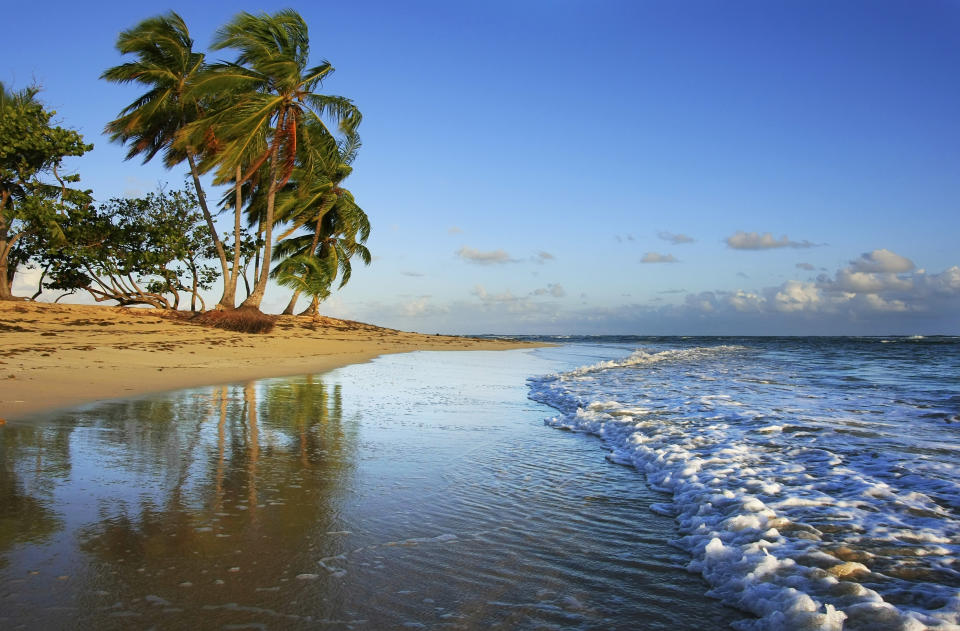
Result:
[[36, 199], [257, 125]]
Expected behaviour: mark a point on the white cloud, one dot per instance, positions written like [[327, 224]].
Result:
[[556, 290], [846, 302], [543, 257], [741, 240], [415, 307], [481, 292], [862, 282], [806, 266], [656, 257], [454, 230], [945, 283], [676, 239], [876, 272], [493, 257], [795, 295], [744, 301], [881, 261]]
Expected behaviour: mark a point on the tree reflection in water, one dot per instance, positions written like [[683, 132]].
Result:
[[162, 506], [32, 460]]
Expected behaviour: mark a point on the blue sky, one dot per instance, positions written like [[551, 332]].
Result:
[[606, 167]]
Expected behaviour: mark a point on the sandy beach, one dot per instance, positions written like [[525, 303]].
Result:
[[60, 355]]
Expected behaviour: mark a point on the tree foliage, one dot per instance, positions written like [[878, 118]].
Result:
[[36, 198], [136, 251]]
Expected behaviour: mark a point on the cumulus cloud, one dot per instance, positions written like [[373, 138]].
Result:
[[850, 301], [656, 257], [493, 257], [853, 291], [795, 295], [881, 261], [847, 280], [877, 272], [806, 266], [676, 239], [741, 240], [542, 257]]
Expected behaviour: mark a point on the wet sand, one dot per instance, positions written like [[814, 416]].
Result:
[[53, 356]]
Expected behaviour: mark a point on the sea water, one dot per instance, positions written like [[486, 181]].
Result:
[[814, 482]]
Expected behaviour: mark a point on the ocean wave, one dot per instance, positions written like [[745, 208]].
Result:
[[642, 357], [781, 516]]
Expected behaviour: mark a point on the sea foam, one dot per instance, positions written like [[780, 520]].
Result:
[[783, 515]]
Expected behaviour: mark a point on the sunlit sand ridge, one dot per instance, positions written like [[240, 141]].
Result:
[[58, 355]]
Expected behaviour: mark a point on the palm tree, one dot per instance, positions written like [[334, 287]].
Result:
[[317, 187], [275, 97], [167, 66], [340, 236], [305, 274]]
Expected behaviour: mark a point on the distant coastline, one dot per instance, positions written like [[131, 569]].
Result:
[[57, 355]]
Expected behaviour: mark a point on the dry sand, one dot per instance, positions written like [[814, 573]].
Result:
[[53, 356]]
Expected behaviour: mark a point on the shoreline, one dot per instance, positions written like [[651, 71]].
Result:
[[59, 355]]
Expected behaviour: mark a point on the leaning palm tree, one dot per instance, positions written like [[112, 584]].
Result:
[[342, 233], [317, 188], [276, 97], [306, 274], [166, 64]]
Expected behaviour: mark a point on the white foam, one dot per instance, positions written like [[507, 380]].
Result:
[[763, 507]]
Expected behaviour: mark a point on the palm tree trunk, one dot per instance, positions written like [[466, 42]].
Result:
[[292, 304], [229, 299], [312, 251], [313, 309], [256, 297], [202, 199]]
